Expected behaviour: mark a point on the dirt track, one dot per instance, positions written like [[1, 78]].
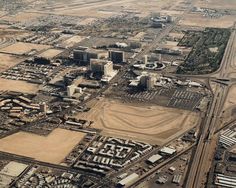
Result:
[[151, 124]]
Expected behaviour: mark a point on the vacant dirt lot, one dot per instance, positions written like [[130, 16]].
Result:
[[198, 20], [8, 61], [50, 53], [151, 124], [217, 4], [91, 9], [21, 48], [231, 98], [22, 17], [52, 148], [17, 85], [72, 41]]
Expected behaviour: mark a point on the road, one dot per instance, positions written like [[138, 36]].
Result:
[[31, 161], [200, 162], [150, 172]]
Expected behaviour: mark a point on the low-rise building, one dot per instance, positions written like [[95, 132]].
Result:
[[167, 151], [128, 180], [154, 158]]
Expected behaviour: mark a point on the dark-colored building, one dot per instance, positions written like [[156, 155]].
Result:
[[117, 56]]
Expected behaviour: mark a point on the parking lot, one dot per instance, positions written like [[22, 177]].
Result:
[[185, 99], [176, 98], [45, 39], [30, 72]]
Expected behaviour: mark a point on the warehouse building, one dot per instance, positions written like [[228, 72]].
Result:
[[128, 180], [154, 158], [225, 181], [177, 179], [167, 151]]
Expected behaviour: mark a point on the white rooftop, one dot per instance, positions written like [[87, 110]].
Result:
[[129, 179], [154, 158], [168, 150], [13, 169]]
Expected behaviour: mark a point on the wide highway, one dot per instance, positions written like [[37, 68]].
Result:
[[200, 162]]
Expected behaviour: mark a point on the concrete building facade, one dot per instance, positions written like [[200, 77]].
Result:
[[103, 66], [117, 56]]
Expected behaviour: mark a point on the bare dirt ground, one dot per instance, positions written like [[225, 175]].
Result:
[[95, 9], [20, 48], [169, 44], [217, 4], [152, 124], [50, 53], [233, 150], [198, 20], [52, 148], [8, 61], [18, 86], [176, 35], [72, 41], [22, 17], [87, 21], [231, 98], [9, 36]]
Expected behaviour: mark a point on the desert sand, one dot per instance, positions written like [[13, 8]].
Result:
[[153, 124], [198, 20], [8, 61], [18, 86], [20, 48], [231, 98], [52, 148], [50, 53]]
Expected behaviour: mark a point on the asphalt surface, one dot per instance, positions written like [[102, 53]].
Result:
[[200, 162]]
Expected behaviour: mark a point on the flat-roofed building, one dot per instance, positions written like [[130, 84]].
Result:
[[117, 56], [128, 180], [167, 151], [83, 54], [102, 66], [148, 81], [154, 158]]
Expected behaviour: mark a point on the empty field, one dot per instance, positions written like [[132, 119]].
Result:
[[198, 20], [21, 48], [10, 36], [52, 148], [217, 4], [153, 124], [50, 53], [72, 41], [231, 98], [18, 86], [91, 9], [22, 17], [8, 61]]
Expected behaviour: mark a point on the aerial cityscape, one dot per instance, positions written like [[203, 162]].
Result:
[[117, 94]]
